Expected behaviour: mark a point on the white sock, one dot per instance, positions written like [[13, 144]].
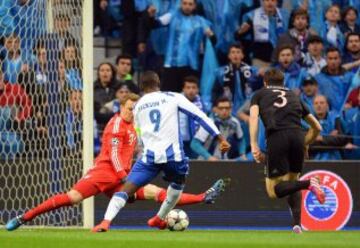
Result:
[[172, 197], [116, 203]]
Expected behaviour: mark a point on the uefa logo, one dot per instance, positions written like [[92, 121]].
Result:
[[337, 209]]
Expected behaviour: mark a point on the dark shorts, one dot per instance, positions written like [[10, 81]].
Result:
[[143, 173], [285, 152]]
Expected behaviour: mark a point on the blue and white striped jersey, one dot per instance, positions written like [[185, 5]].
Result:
[[157, 120]]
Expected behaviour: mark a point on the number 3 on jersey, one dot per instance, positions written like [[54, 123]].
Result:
[[155, 117], [282, 97]]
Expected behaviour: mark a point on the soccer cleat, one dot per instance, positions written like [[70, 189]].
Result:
[[215, 190], [15, 223], [157, 222], [104, 226], [316, 189], [297, 229]]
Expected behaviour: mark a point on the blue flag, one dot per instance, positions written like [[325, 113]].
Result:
[[210, 64]]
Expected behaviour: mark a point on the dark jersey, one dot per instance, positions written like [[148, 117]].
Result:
[[279, 108]]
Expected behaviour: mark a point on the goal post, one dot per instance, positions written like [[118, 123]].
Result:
[[46, 109], [88, 105]]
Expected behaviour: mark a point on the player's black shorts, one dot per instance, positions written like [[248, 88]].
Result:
[[285, 152]]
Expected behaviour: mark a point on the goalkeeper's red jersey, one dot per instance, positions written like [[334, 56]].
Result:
[[118, 145]]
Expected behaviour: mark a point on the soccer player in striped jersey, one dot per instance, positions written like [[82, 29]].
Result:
[[110, 170], [157, 118]]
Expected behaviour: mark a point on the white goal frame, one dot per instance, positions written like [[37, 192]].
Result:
[[88, 104]]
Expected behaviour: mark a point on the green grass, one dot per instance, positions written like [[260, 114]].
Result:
[[74, 238]]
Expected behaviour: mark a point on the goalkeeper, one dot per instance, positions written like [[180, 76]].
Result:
[[110, 171]]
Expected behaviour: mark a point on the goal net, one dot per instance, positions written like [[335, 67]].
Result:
[[41, 88]]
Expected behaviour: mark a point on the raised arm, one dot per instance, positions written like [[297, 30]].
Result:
[[194, 112]]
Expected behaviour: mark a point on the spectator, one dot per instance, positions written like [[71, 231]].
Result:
[[334, 82], [56, 41], [73, 127], [56, 118], [61, 87], [122, 90], [124, 67], [152, 45], [352, 122], [30, 23], [330, 134], [298, 33], [13, 63], [331, 32], [316, 10], [184, 40], [224, 16], [15, 95], [353, 99], [356, 5], [236, 80], [107, 15], [267, 23], [71, 57], [6, 18], [351, 58], [15, 110], [293, 73], [36, 84], [309, 90], [349, 19], [131, 10], [188, 125], [105, 88], [205, 146], [314, 60]]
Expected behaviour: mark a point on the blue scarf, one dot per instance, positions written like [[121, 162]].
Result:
[[268, 29]]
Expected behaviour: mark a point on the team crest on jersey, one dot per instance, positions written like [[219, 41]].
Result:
[[115, 141], [337, 209]]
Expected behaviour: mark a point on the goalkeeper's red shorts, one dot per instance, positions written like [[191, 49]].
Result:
[[98, 181]]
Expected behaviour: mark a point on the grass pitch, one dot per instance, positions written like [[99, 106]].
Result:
[[76, 238]]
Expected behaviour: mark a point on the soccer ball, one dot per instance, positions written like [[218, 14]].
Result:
[[177, 220]]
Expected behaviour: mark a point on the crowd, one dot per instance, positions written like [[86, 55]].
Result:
[[216, 52], [40, 82]]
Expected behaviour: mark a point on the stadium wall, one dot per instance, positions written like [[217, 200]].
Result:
[[244, 204]]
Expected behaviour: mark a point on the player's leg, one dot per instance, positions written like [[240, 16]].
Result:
[[141, 174], [296, 159], [280, 187], [280, 150], [173, 193], [294, 202], [82, 190], [158, 194], [175, 173]]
